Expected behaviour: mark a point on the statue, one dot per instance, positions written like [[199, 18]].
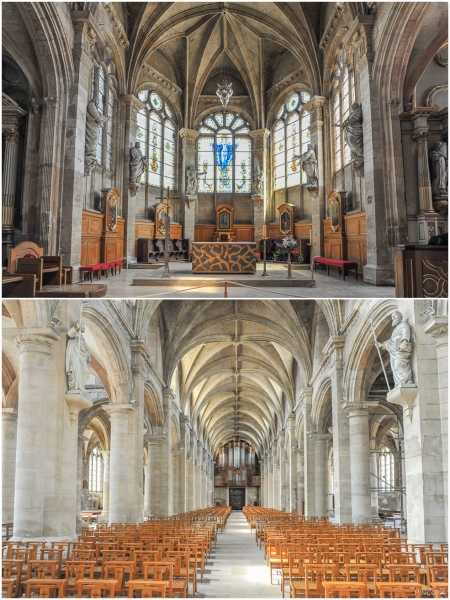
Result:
[[191, 181], [94, 125], [308, 161], [439, 170], [78, 358], [138, 164], [400, 348], [353, 130], [258, 181]]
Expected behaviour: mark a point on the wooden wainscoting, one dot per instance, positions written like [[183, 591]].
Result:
[[355, 228], [146, 229], [334, 243], [97, 243], [243, 233]]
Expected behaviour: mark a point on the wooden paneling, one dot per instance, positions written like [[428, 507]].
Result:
[[242, 233], [355, 228], [146, 229], [302, 230], [204, 233], [99, 244]]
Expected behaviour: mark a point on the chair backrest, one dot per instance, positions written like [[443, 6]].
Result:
[[438, 573], [399, 590], [146, 589], [80, 569], [42, 569], [404, 573], [119, 570], [367, 572], [83, 554], [317, 573], [46, 588], [403, 558], [23, 250], [96, 588], [345, 589], [12, 569]]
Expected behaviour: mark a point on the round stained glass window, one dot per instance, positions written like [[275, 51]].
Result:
[[156, 101], [168, 112], [292, 102], [143, 96], [305, 97], [279, 112]]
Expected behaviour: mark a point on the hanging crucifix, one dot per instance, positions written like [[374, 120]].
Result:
[[165, 202]]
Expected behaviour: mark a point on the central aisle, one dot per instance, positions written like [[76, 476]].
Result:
[[237, 568]]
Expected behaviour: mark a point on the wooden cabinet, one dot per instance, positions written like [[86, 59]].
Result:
[[98, 242]]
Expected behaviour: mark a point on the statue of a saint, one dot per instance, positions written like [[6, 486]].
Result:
[[353, 130], [308, 161], [439, 170], [400, 348], [258, 181], [94, 125], [191, 180], [78, 358], [138, 164]]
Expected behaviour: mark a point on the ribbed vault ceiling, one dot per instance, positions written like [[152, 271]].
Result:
[[235, 364]]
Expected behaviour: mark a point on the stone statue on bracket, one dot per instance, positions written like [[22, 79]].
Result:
[[400, 349], [309, 164], [353, 133], [191, 181], [78, 358], [138, 163], [258, 181], [439, 170], [94, 126]]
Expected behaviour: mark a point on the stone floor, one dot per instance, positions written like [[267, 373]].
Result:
[[237, 568], [332, 286]]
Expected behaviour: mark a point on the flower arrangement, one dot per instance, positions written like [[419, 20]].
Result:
[[286, 245]]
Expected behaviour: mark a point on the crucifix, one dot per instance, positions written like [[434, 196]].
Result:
[[167, 207]]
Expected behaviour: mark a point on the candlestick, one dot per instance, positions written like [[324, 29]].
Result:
[[264, 231]]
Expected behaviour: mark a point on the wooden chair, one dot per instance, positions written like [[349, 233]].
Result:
[[96, 588], [119, 570], [422, 549], [81, 554], [147, 588], [10, 587], [78, 569], [12, 569], [42, 569], [158, 572], [404, 573], [364, 573], [315, 575], [344, 589], [46, 588], [181, 571], [438, 573], [399, 590], [440, 589], [403, 558]]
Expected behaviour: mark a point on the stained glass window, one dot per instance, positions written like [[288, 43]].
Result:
[[95, 471], [224, 157], [101, 109], [290, 137], [344, 96], [110, 131], [102, 86], [157, 133], [337, 130]]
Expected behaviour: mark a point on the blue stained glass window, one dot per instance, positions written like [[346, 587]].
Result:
[[156, 101], [224, 162]]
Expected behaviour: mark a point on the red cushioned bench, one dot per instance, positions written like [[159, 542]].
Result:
[[345, 265]]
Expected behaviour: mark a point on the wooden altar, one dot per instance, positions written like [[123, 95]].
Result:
[[224, 257]]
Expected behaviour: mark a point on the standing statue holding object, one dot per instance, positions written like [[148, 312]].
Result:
[[400, 349], [308, 161], [78, 358], [258, 181], [138, 164], [191, 181], [439, 170]]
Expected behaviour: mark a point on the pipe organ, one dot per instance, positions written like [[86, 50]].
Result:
[[236, 464]]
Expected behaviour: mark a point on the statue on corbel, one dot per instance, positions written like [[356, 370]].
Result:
[[309, 164], [258, 185], [439, 176], [138, 164], [353, 133], [94, 126], [191, 184], [78, 362]]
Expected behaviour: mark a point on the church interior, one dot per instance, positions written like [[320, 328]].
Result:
[[165, 448], [202, 134]]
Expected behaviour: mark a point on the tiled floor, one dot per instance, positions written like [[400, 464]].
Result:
[[237, 568], [121, 286]]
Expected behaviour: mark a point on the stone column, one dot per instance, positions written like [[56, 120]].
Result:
[[320, 442], [11, 146], [75, 181], [300, 480], [190, 479], [260, 203], [80, 473], [198, 477], [358, 414], [309, 460], [282, 473], [427, 217], [262, 491], [119, 492], [147, 490], [379, 269], [270, 503], [158, 499], [318, 202], [276, 476], [9, 441], [106, 479], [189, 149], [437, 327], [374, 483], [341, 437], [292, 465]]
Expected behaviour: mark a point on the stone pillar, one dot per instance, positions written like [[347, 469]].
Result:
[[276, 476], [270, 460], [282, 472], [9, 440], [80, 472], [292, 465], [437, 327], [75, 181], [119, 465], [189, 149], [300, 480], [320, 442], [260, 203], [190, 479], [309, 460], [379, 269], [358, 414], [198, 477], [374, 483], [10, 153], [106, 479], [154, 462], [318, 197], [341, 437], [262, 491], [147, 490]]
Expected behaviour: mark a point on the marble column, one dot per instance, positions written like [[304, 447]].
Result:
[[320, 442], [9, 441], [341, 437], [106, 479], [309, 460], [9, 176], [119, 415], [260, 203], [300, 480], [189, 149], [318, 202], [358, 415]]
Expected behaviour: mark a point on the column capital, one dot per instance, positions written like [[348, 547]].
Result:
[[358, 408], [9, 414], [306, 395], [154, 440], [39, 343], [51, 102], [122, 410], [106, 453], [11, 135], [420, 134], [315, 107], [189, 137], [260, 136], [320, 437], [437, 327]]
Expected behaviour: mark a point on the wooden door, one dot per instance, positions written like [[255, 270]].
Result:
[[237, 498]]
